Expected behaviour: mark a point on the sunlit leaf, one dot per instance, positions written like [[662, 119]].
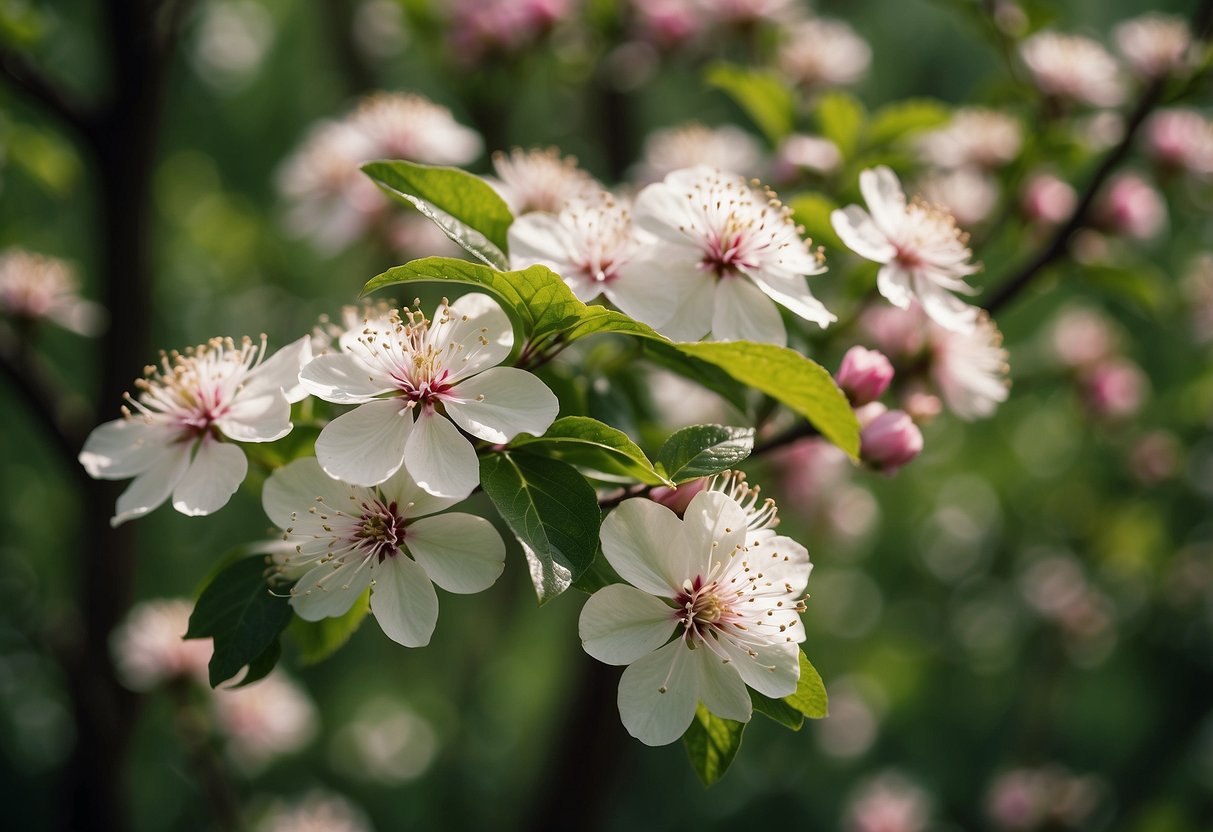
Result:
[[712, 743], [702, 450]]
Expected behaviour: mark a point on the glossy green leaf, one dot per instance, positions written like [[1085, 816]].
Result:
[[465, 207], [589, 443], [777, 709], [552, 511], [903, 118], [762, 94], [712, 743], [238, 611], [702, 450], [840, 118], [261, 666], [317, 640], [786, 375], [810, 697], [667, 355]]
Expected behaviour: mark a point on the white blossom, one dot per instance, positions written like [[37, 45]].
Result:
[[726, 147], [316, 812], [267, 719], [923, 255], [411, 377], [407, 126], [710, 606], [150, 648], [1073, 67], [970, 368], [540, 180], [1154, 44], [190, 409], [822, 52], [978, 137], [726, 253], [37, 287], [348, 538]]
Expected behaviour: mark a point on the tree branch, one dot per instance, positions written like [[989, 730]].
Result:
[[28, 80]]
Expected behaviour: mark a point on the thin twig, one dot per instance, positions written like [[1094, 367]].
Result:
[[26, 78]]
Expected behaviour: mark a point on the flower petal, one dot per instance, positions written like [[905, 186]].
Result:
[[126, 447], [342, 378], [886, 200], [262, 418], [366, 445], [857, 230], [473, 335], [653, 291], [439, 457], [744, 313], [893, 281], [721, 688], [501, 403], [411, 499], [211, 480], [331, 589], [281, 371], [693, 318], [794, 294], [782, 562], [461, 553], [152, 487], [403, 601], [714, 528], [646, 544], [773, 670], [619, 624], [944, 308], [293, 489], [539, 238], [658, 694]]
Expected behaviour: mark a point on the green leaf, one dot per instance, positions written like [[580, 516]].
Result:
[[317, 640], [812, 210], [703, 450], [465, 207], [599, 574], [902, 118], [589, 443], [240, 613], [712, 743], [261, 666], [789, 377], [810, 697], [840, 118], [701, 372], [762, 94], [777, 709], [552, 511]]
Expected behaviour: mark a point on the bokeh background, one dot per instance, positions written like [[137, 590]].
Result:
[[1020, 618]]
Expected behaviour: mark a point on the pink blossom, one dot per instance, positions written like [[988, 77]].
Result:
[[1131, 207], [888, 438], [864, 375], [1116, 389], [1048, 200], [1181, 139]]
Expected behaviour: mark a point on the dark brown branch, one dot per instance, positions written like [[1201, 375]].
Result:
[[28, 80]]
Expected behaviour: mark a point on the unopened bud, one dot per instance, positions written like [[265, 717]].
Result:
[[888, 439], [864, 375]]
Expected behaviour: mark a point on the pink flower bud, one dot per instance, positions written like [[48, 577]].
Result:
[[1181, 139], [1116, 389], [864, 375], [888, 438], [1132, 207], [677, 499], [1046, 199]]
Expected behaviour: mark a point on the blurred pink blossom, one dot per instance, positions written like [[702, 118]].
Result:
[[269, 718], [1046, 797], [150, 649], [864, 375], [1154, 44], [1073, 67], [1048, 200], [1081, 337], [888, 803], [1115, 389], [888, 438], [823, 53], [973, 138], [1132, 207], [1181, 139]]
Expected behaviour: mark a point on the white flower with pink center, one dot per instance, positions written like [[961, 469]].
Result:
[[1074, 68], [726, 254], [711, 606], [970, 369], [412, 377], [176, 439], [347, 538], [35, 287], [923, 254]]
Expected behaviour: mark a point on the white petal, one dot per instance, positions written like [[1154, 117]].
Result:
[[330, 589], [404, 602], [855, 227], [342, 378], [658, 694], [893, 281], [693, 319], [794, 294], [126, 447], [262, 418], [944, 308], [539, 238], [440, 459], [152, 487], [461, 553], [714, 527], [294, 487], [721, 689], [744, 313], [211, 480], [653, 291], [475, 335], [773, 672], [782, 561], [281, 371], [619, 624], [886, 200], [411, 499], [366, 445], [646, 544], [501, 403], [663, 210]]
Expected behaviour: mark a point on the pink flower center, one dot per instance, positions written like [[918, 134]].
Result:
[[701, 607], [728, 253], [380, 530]]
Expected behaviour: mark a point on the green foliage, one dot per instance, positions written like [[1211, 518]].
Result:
[[789, 377], [238, 611], [552, 511], [777, 709], [464, 206], [812, 210], [588, 443], [703, 450], [808, 700], [840, 118], [902, 118], [317, 640], [762, 94], [697, 370], [712, 743]]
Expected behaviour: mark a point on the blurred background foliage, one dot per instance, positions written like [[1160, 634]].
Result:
[[1033, 595]]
